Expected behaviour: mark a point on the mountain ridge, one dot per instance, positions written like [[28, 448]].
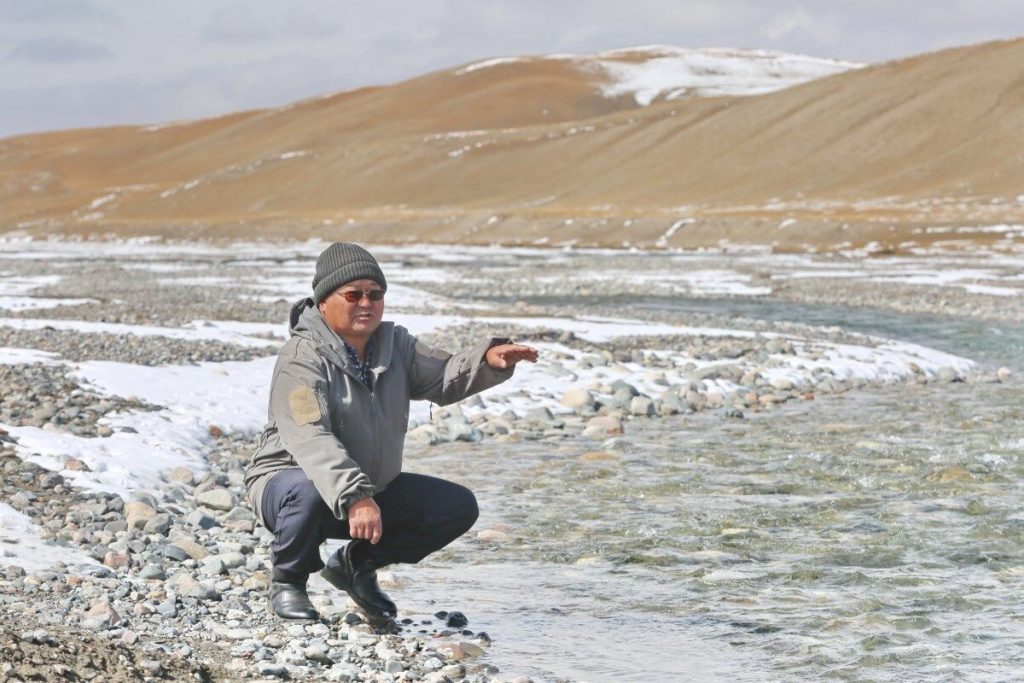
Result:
[[926, 139]]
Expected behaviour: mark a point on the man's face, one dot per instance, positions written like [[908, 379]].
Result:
[[353, 320]]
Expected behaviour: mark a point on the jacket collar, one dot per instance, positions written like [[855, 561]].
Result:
[[306, 321]]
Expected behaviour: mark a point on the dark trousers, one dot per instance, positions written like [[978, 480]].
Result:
[[420, 515]]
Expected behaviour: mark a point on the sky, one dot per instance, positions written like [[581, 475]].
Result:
[[78, 63]]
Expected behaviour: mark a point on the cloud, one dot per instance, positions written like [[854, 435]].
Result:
[[784, 24], [252, 22], [149, 61], [58, 51], [51, 11], [194, 93]]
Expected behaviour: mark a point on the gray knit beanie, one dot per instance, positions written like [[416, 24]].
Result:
[[344, 262]]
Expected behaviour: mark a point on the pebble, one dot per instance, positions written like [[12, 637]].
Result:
[[116, 560], [579, 400], [642, 406], [597, 456], [217, 499], [152, 571], [343, 671], [493, 536], [201, 519], [190, 587], [953, 473], [456, 620], [167, 609], [451, 651], [138, 514], [602, 426], [182, 475], [159, 524], [273, 669], [102, 612], [192, 549]]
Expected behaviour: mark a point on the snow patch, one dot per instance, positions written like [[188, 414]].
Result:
[[21, 545], [675, 72], [672, 230], [487, 63]]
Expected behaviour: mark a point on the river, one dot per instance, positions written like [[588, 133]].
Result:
[[875, 535]]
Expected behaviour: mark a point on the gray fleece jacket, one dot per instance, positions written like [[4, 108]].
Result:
[[348, 437]]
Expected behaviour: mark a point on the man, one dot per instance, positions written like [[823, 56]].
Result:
[[329, 462]]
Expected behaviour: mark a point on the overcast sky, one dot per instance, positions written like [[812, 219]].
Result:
[[73, 63]]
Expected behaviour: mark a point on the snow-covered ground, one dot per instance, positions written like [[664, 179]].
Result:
[[232, 395], [674, 73], [652, 71]]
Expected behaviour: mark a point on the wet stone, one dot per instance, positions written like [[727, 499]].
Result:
[[456, 620]]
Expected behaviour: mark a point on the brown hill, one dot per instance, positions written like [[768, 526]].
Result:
[[530, 150]]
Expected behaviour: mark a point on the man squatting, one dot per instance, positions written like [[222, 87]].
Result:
[[329, 463]]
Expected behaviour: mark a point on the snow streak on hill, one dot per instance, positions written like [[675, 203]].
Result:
[[651, 72]]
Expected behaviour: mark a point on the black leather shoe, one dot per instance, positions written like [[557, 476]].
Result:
[[359, 579], [290, 601]]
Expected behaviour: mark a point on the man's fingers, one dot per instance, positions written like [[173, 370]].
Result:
[[517, 353], [370, 530], [527, 354], [521, 352], [507, 355]]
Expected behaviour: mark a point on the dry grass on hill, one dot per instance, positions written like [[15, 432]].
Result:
[[530, 150]]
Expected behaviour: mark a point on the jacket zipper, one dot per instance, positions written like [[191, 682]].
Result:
[[375, 416]]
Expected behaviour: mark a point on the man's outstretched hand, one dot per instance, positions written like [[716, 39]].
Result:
[[364, 520], [505, 356]]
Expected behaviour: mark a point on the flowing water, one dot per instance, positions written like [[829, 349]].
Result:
[[871, 536]]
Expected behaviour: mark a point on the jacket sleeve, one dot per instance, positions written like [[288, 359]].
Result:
[[443, 378], [298, 402]]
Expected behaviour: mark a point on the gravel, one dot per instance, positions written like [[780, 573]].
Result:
[[128, 348], [44, 395], [199, 612]]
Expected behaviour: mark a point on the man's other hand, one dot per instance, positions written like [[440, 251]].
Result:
[[506, 356], [364, 520]]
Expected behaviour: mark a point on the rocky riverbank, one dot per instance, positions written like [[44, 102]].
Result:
[[170, 583], [179, 582], [180, 585]]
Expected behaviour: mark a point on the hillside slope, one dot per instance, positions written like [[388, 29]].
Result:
[[562, 148]]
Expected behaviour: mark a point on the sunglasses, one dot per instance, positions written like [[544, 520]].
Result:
[[354, 296]]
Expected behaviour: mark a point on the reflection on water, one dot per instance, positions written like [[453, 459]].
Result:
[[875, 535]]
